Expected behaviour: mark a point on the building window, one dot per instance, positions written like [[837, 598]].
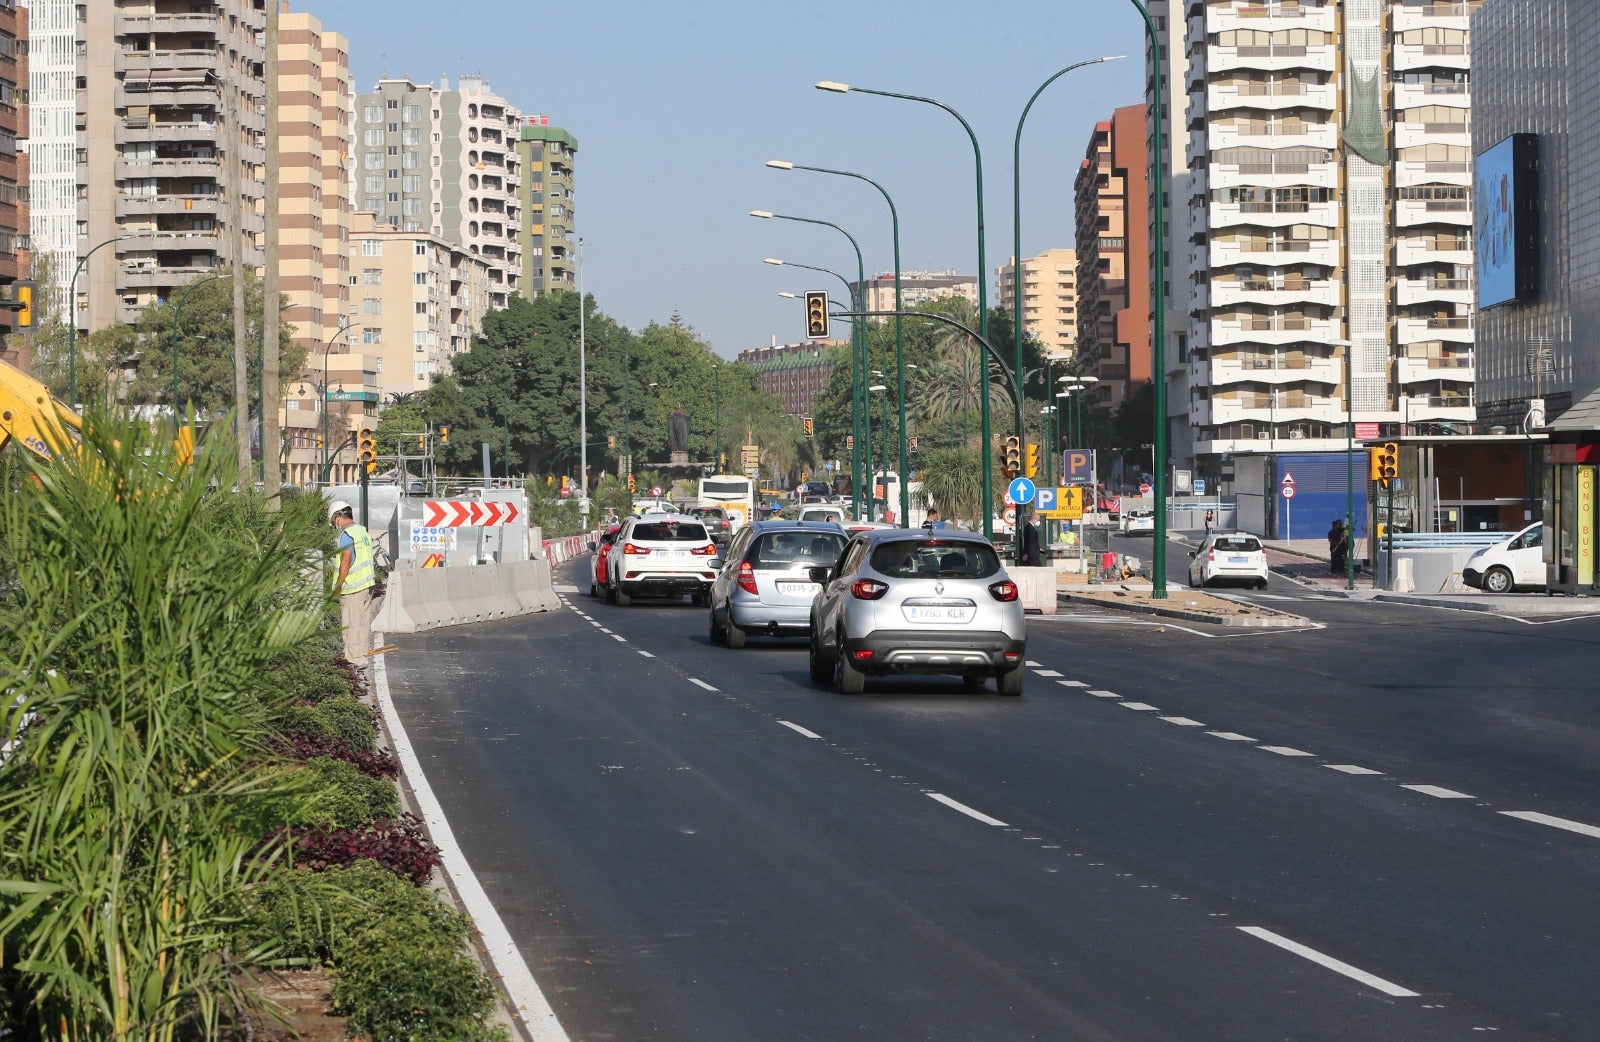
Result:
[[371, 248], [372, 276], [420, 307], [371, 306], [372, 336], [372, 114]]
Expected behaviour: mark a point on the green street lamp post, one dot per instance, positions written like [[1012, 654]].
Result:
[[327, 346], [899, 320], [72, 321], [860, 363], [716, 439], [857, 338], [1349, 464], [983, 287]]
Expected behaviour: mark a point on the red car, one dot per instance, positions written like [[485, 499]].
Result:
[[597, 584]]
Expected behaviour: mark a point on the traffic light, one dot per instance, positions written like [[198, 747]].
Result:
[[1383, 462], [25, 299], [422, 441], [817, 315], [367, 447], [808, 426], [1033, 461], [611, 441], [565, 483], [1011, 456], [444, 435], [633, 486]]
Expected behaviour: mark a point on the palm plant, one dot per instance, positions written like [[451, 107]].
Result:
[[953, 480], [142, 602]]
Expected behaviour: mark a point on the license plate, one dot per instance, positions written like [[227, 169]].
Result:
[[1238, 560], [939, 613], [797, 589]]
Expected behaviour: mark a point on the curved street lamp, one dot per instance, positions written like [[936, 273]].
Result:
[[72, 322], [983, 287]]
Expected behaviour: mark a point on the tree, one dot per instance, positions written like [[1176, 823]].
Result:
[[953, 479]]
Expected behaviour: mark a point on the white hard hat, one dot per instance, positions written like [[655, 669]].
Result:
[[337, 506]]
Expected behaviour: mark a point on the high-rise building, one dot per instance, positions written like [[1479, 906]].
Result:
[[549, 220], [445, 162], [1049, 299], [917, 287], [1112, 207], [1319, 222], [14, 251], [169, 147]]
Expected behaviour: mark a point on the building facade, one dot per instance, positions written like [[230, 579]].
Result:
[[445, 162], [1049, 299], [1319, 223], [548, 229], [919, 287], [15, 256], [794, 373], [1111, 204]]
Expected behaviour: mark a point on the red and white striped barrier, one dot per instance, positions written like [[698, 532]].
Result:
[[559, 550]]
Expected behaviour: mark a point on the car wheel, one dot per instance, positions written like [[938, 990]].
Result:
[[820, 673], [594, 590], [715, 632], [611, 594], [735, 634], [623, 600], [1011, 683], [846, 677], [1261, 584], [1497, 580], [1192, 583]]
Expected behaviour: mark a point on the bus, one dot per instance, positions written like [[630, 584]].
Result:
[[732, 492]]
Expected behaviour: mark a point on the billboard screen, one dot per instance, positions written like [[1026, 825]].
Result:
[[1505, 232]]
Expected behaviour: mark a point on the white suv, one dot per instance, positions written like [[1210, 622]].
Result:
[[661, 555]]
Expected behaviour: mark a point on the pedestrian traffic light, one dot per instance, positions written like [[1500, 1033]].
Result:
[[367, 447], [1011, 456], [808, 426], [444, 435], [817, 315], [1033, 461], [1384, 462]]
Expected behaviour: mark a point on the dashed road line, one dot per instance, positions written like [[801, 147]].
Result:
[[1105, 694], [696, 681], [1181, 721], [1140, 707], [803, 732], [1072, 683], [1282, 750], [619, 638], [565, 589], [1230, 736], [1438, 792], [1554, 822], [1046, 673], [1329, 962], [643, 652], [1350, 768], [977, 815]]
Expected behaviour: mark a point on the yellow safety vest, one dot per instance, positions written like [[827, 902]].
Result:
[[362, 575]]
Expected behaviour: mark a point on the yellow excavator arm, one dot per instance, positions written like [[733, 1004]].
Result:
[[32, 417]]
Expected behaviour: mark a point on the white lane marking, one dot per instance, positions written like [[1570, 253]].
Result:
[[1031, 664], [1283, 750], [701, 683], [619, 639], [1438, 792], [968, 811], [797, 729], [528, 1003], [643, 652], [565, 589], [1230, 736], [1105, 694], [1046, 673], [1181, 721], [604, 630], [1140, 707], [1072, 683], [1350, 768], [1554, 822], [1329, 962]]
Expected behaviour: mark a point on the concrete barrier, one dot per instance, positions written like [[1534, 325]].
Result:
[[1037, 587], [427, 598]]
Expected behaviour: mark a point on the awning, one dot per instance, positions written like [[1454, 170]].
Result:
[[1583, 416]]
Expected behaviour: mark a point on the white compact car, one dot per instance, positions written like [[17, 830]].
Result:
[[1229, 557], [1139, 521], [1516, 561]]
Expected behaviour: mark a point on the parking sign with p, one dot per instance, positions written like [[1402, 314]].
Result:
[[1077, 465]]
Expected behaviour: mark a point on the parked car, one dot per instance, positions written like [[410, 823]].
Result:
[[764, 586], [1229, 557], [1518, 560], [660, 555], [914, 601], [1135, 522], [717, 522], [602, 549]]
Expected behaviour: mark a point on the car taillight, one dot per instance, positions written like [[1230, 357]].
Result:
[[1006, 590], [868, 589], [747, 578], [633, 548], [709, 550]]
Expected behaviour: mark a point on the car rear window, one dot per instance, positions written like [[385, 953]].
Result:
[[787, 549], [1238, 544], [669, 532], [935, 559]]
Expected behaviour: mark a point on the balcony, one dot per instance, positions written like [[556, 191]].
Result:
[[1413, 95], [154, 241], [149, 205], [1274, 252], [189, 169], [1265, 407], [1425, 291], [154, 64], [187, 96], [1449, 14], [1452, 368], [1457, 329], [1273, 214], [1408, 56], [1266, 134], [1408, 134], [1272, 58], [1446, 408], [1273, 369], [1273, 331], [1221, 97], [1434, 249], [1409, 213], [147, 277], [1276, 291], [184, 132], [131, 23], [1277, 174], [1268, 17]]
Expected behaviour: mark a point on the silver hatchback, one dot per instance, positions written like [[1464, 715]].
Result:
[[917, 601], [764, 586]]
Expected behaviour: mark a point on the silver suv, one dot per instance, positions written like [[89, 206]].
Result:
[[917, 601], [660, 555], [765, 585]]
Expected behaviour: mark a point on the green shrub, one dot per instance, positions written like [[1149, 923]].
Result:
[[346, 718], [342, 797]]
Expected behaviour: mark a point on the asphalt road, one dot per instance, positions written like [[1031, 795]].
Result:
[[1173, 835]]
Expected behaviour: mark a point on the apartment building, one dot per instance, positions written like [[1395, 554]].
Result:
[[1319, 223], [417, 300], [794, 373], [15, 256], [549, 222], [168, 145], [1111, 206], [445, 162], [917, 287], [1049, 298]]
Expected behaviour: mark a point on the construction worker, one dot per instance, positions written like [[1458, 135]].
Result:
[[354, 585]]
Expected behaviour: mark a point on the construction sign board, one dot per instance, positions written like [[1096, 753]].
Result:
[[455, 513]]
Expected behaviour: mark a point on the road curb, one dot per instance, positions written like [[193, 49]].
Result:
[[1271, 619]]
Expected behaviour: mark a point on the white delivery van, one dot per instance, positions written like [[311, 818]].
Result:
[[1512, 562]]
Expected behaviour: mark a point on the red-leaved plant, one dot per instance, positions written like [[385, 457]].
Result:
[[397, 845], [301, 745]]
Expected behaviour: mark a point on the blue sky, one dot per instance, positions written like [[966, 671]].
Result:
[[676, 106]]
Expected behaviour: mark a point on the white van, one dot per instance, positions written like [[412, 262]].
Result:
[[1516, 561]]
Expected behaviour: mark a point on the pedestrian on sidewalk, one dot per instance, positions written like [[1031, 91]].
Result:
[[1210, 520], [1338, 547]]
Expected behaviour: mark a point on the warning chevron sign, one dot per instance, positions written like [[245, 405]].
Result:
[[457, 513]]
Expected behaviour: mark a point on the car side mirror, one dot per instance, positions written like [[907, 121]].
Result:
[[818, 573]]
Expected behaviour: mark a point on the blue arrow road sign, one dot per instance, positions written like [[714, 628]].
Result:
[[1021, 491], [1045, 499]]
